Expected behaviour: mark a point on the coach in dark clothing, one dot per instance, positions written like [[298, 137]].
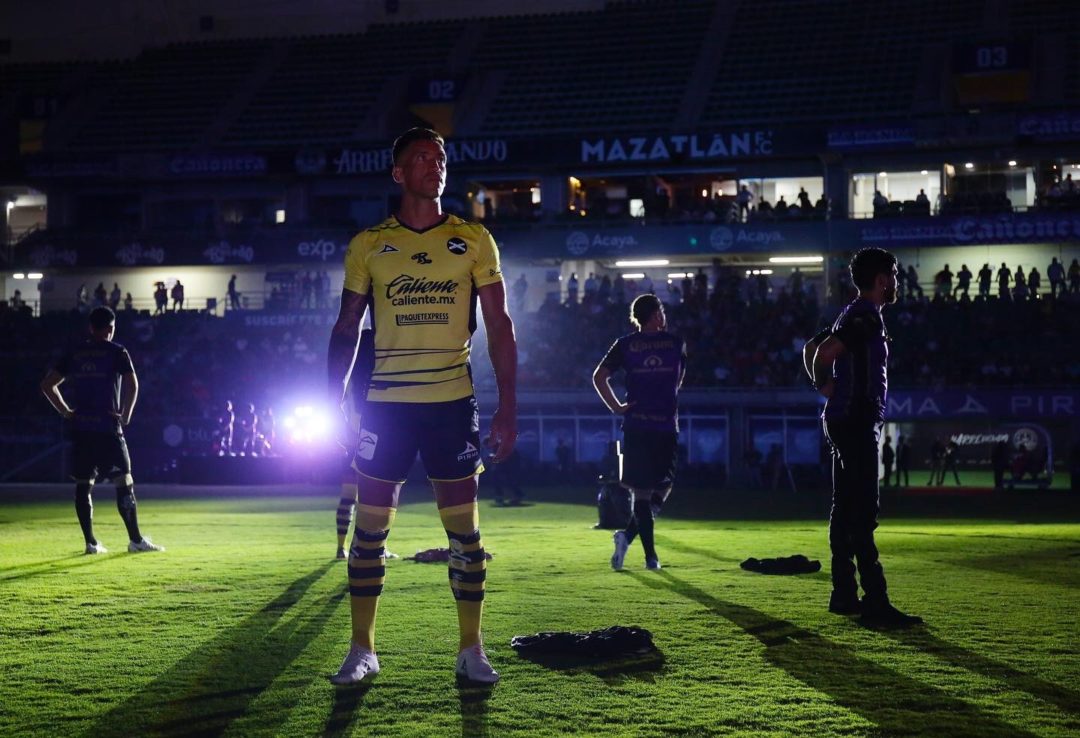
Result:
[[848, 365], [103, 387]]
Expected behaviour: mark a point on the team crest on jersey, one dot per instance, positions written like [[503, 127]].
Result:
[[387, 249], [421, 258], [457, 246]]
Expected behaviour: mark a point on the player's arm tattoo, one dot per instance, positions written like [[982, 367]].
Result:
[[344, 339], [50, 387], [129, 393]]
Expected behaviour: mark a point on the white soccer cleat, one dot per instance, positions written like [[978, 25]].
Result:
[[359, 664], [653, 564], [621, 544], [473, 665], [96, 548], [388, 554], [142, 545]]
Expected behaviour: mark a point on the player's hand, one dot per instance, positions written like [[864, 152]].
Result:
[[503, 434], [68, 414], [623, 408]]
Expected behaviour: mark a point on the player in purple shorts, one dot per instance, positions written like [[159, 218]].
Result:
[[655, 363]]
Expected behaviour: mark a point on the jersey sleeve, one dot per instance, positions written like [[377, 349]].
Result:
[[63, 365], [357, 276], [613, 359], [487, 269], [854, 331], [123, 362]]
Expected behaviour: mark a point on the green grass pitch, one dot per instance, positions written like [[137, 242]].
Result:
[[235, 629]]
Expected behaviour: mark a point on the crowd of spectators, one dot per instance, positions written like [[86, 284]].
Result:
[[741, 331]]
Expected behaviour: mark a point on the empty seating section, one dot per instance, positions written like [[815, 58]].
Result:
[[803, 60], [1029, 18], [169, 97], [621, 68], [324, 86], [21, 84]]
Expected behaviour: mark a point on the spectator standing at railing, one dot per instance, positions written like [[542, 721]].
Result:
[[128, 301], [943, 282], [114, 297], [81, 298], [161, 298], [17, 301], [572, 289], [1004, 276], [592, 285], [912, 279], [1020, 290], [1055, 274], [986, 274], [234, 296], [821, 207], [881, 203], [1034, 283], [744, 200], [1074, 277], [781, 209], [177, 294], [963, 280], [804, 202], [923, 202], [101, 297]]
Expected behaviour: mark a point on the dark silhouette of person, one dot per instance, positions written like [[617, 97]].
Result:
[[888, 457], [563, 455], [999, 461], [234, 296], [948, 463], [963, 280], [937, 458], [903, 461], [986, 275]]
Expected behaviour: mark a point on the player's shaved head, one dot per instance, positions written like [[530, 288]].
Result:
[[414, 134]]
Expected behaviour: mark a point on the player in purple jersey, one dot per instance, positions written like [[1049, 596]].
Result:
[[104, 388], [848, 364], [655, 363]]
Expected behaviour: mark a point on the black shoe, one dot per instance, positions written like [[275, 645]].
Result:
[[887, 615], [844, 604]]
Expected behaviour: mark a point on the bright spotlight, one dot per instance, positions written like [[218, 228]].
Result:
[[643, 263], [796, 259], [634, 275]]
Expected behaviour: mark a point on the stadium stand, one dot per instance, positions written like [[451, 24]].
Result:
[[827, 61], [593, 72]]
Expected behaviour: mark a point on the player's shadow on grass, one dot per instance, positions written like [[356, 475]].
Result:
[[1056, 566], [898, 704], [205, 692], [347, 701], [922, 639], [613, 670], [54, 566], [474, 708]]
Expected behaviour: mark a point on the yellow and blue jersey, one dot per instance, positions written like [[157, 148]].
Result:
[[422, 291]]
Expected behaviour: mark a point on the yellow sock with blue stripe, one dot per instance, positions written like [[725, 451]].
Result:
[[468, 568], [367, 570], [345, 512]]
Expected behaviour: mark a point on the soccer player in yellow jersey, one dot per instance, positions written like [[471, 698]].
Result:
[[421, 273]]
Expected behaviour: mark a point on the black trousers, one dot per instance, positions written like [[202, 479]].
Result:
[[854, 446]]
